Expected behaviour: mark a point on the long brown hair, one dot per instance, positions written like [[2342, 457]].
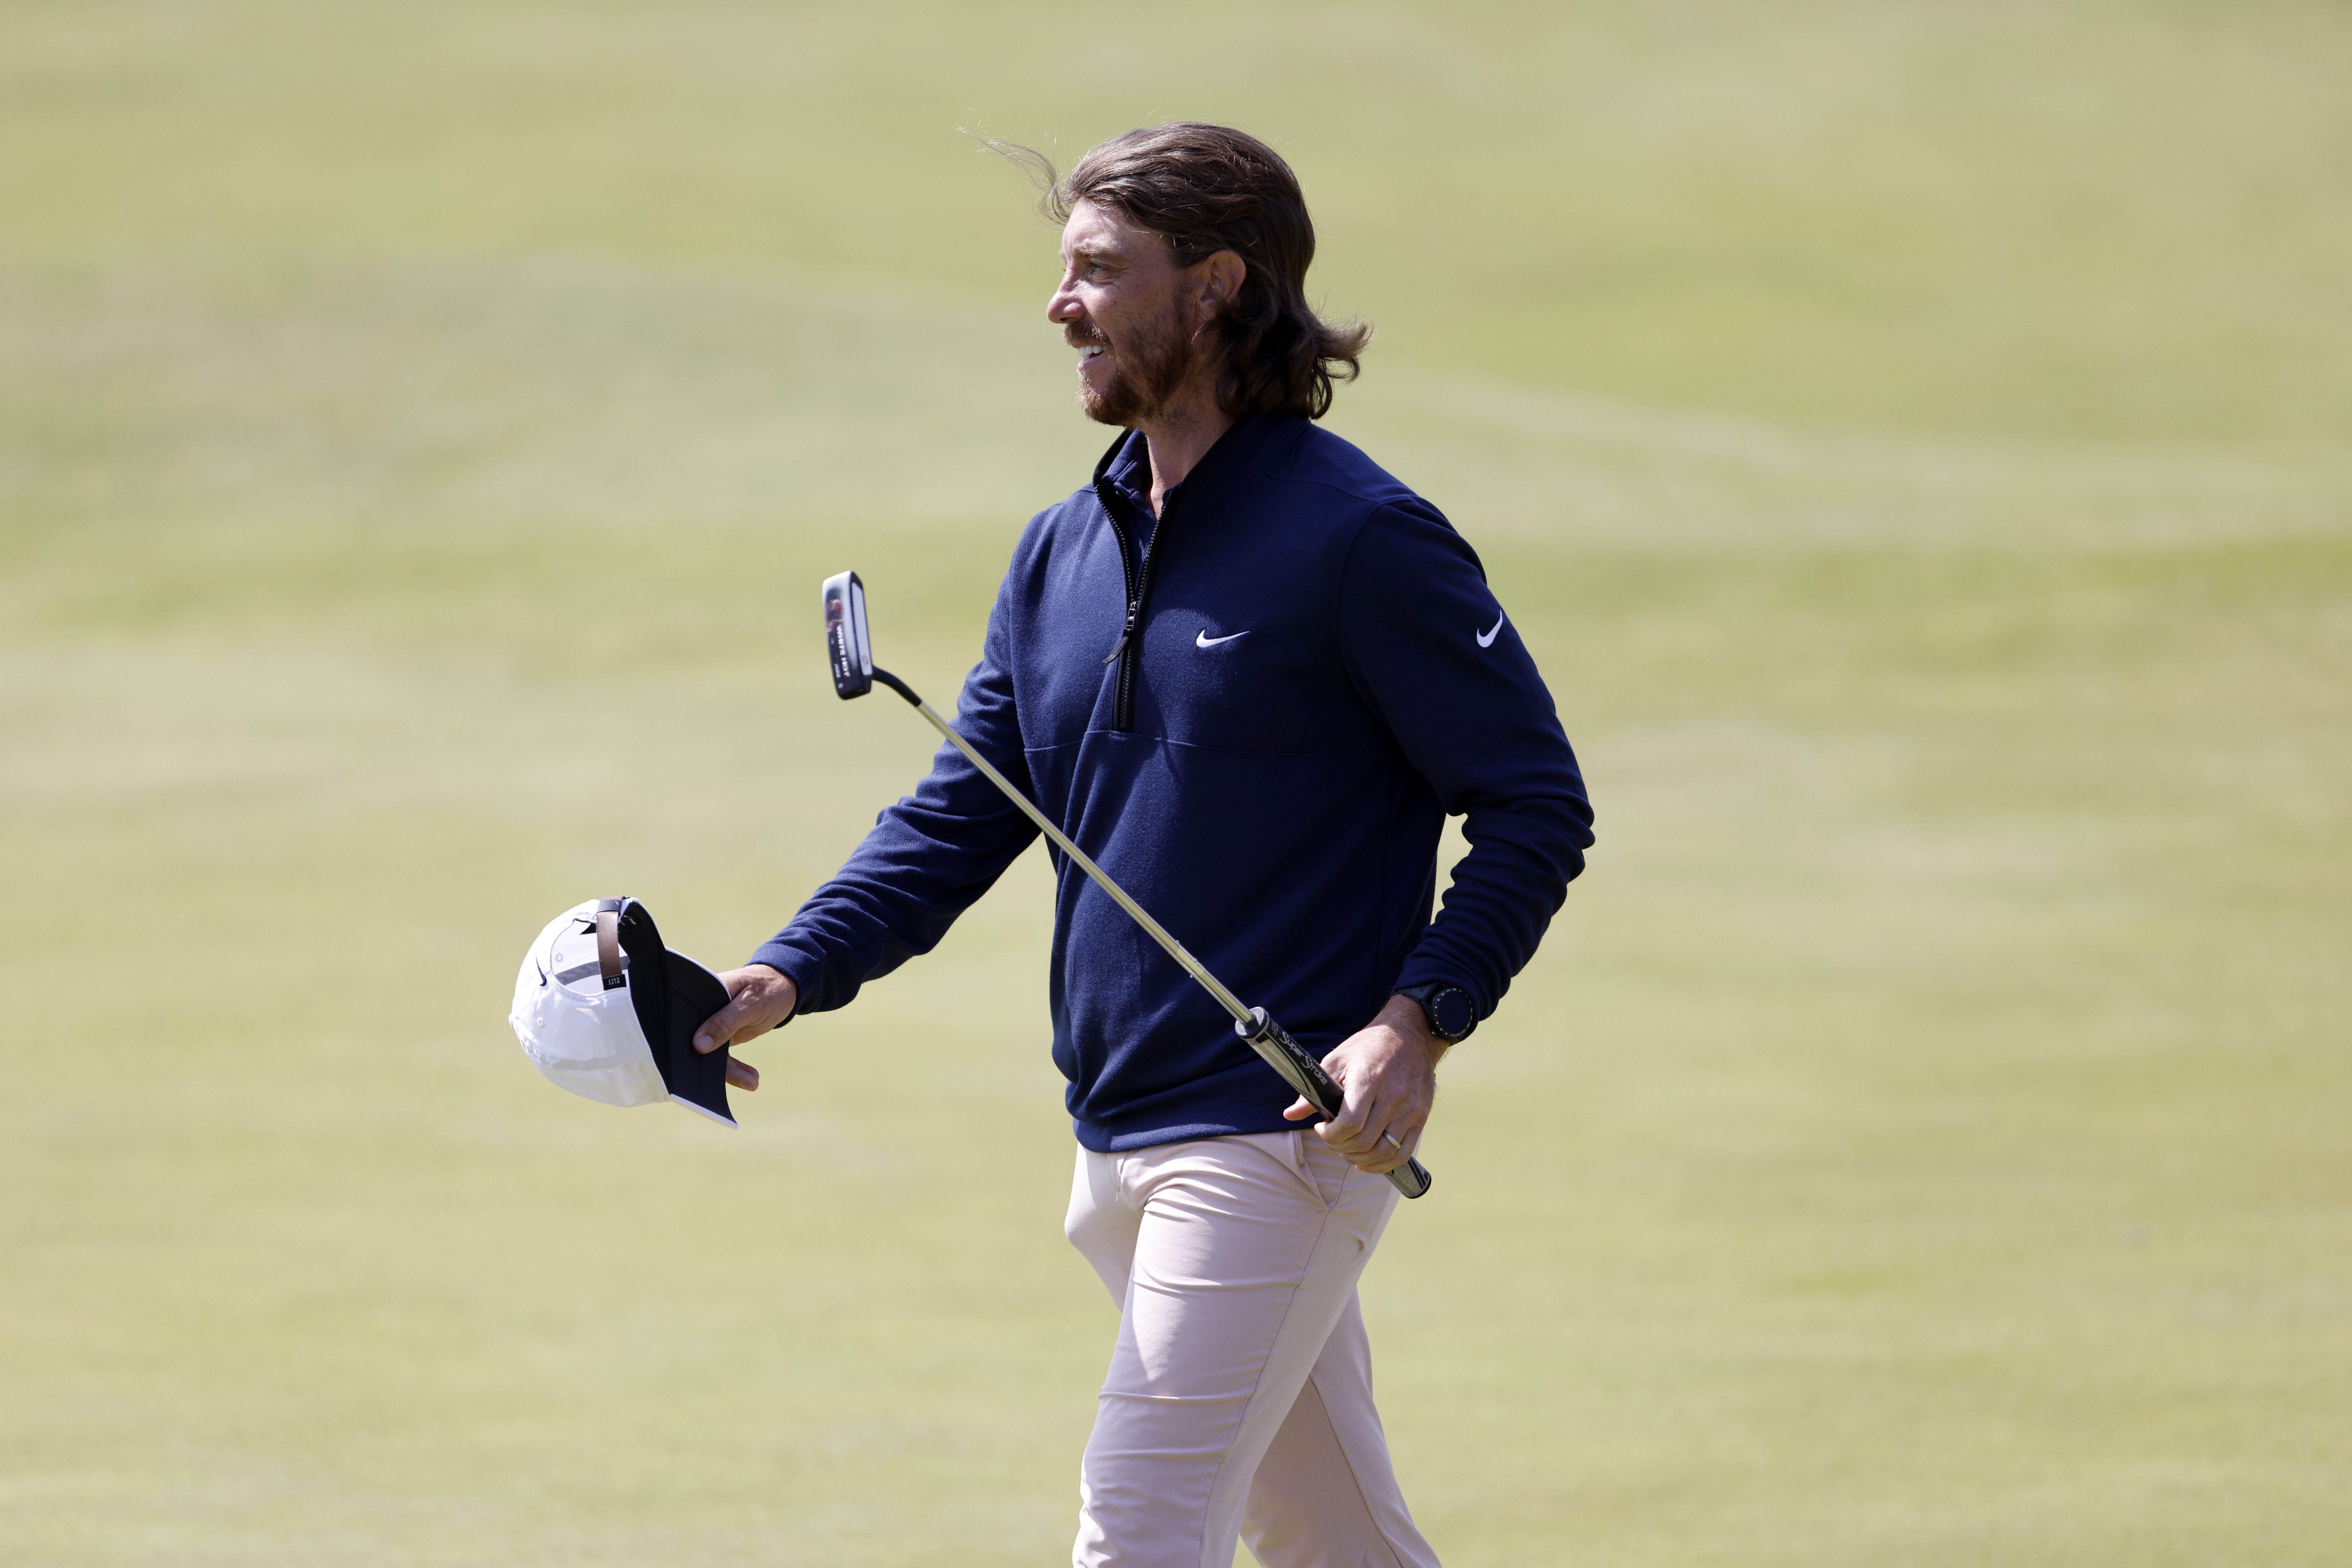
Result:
[[1207, 189]]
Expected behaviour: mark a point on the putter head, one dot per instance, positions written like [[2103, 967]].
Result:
[[846, 646]]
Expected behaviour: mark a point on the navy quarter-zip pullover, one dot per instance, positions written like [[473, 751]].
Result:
[[1256, 724]]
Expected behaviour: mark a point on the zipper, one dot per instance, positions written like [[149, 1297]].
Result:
[[1124, 718], [1128, 650], [1111, 505]]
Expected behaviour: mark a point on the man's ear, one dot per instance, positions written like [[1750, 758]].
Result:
[[1221, 278]]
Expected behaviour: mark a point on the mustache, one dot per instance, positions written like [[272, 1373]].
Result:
[[1078, 340]]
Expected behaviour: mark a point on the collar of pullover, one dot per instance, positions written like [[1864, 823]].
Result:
[[1126, 466]]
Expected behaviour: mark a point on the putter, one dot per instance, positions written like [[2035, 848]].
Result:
[[850, 648]]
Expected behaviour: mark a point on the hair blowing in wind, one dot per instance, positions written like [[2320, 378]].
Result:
[[1207, 188]]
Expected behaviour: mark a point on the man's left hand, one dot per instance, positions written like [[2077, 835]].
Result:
[[1387, 1074]]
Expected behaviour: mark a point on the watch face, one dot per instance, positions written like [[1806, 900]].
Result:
[[1451, 1011]]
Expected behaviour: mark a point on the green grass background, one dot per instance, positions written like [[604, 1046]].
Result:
[[1916, 439]]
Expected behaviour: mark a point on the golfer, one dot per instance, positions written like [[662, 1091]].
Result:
[[1251, 674]]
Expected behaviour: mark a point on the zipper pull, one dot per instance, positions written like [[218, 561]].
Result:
[[1125, 632]]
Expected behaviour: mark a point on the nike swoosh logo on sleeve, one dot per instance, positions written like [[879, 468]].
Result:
[[1205, 640], [1487, 638]]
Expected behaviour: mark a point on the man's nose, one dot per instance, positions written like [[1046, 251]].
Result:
[[1062, 306]]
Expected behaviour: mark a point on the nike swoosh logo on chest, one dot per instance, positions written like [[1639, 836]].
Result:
[[1205, 640]]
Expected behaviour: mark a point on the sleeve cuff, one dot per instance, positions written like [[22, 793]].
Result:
[[801, 968]]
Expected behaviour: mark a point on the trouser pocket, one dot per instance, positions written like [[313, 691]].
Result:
[[1321, 1171]]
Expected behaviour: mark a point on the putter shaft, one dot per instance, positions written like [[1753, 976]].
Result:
[[1192, 966], [1266, 1037]]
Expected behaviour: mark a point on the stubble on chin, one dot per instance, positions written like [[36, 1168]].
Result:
[[1146, 373]]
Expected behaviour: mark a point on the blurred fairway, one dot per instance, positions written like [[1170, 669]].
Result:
[[1916, 441]]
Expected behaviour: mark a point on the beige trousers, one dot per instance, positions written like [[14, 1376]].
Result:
[[1239, 1400]]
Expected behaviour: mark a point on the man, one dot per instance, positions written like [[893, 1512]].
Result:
[[1250, 674]]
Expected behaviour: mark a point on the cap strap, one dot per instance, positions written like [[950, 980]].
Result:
[[608, 942]]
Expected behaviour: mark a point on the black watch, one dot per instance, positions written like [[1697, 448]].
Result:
[[1451, 1013]]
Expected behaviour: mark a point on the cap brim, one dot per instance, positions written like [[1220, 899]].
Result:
[[674, 996], [694, 1080]]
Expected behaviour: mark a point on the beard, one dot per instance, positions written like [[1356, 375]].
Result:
[[1146, 370]]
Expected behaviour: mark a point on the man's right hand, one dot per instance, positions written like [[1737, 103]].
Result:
[[758, 999]]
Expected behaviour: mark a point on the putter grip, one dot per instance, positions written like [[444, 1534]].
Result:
[[1304, 1074]]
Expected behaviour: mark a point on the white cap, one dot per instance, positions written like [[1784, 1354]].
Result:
[[583, 1022]]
